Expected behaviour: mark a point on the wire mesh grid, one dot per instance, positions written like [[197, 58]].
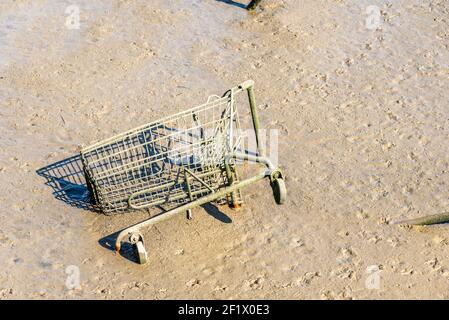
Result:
[[171, 161]]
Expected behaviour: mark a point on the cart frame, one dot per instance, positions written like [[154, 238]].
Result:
[[133, 235]]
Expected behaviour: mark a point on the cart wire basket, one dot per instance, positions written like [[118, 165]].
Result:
[[179, 162]]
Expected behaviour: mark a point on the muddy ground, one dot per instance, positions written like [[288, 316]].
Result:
[[363, 120]]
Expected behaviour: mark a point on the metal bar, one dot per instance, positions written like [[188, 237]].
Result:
[[209, 104], [154, 124], [162, 201], [257, 159], [164, 186], [185, 207], [230, 183], [237, 155], [189, 190], [255, 117], [427, 220], [199, 179]]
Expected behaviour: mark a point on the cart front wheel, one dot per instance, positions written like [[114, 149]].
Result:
[[279, 190], [141, 253]]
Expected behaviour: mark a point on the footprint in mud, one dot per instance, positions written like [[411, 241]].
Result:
[[179, 252], [254, 284], [221, 288], [5, 293], [193, 283], [439, 240], [257, 283], [62, 137], [394, 242], [307, 278], [423, 140], [343, 273], [208, 271], [407, 271], [296, 243], [374, 238], [327, 295], [102, 110], [345, 255], [434, 264]]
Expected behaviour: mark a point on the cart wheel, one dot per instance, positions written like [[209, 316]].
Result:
[[279, 190], [141, 253]]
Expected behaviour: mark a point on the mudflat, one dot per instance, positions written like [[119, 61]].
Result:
[[363, 120]]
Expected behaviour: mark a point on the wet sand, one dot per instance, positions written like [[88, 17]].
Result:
[[363, 122]]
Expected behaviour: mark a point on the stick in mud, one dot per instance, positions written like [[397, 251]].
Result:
[[253, 4], [427, 220]]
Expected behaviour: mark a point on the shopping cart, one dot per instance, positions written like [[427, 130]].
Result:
[[181, 161]]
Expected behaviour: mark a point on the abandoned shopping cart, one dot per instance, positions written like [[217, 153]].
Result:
[[184, 161]]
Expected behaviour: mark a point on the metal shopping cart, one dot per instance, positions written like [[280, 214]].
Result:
[[183, 161]]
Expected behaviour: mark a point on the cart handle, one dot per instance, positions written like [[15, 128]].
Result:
[[248, 85]]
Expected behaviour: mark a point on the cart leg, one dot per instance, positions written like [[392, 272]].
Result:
[[253, 4], [255, 118], [141, 253], [234, 204], [136, 239], [189, 214]]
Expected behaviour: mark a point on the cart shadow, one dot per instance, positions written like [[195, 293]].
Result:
[[66, 179], [68, 183], [215, 212], [126, 249], [233, 3]]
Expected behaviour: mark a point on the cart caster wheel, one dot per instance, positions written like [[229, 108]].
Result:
[[141, 253], [279, 190], [235, 206]]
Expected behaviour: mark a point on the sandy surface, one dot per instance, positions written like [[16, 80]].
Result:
[[364, 125]]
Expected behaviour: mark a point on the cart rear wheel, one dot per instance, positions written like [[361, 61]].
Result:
[[279, 190], [141, 253]]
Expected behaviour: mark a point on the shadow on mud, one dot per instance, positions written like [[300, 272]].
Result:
[[67, 181], [215, 212], [66, 178], [233, 3], [126, 250]]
